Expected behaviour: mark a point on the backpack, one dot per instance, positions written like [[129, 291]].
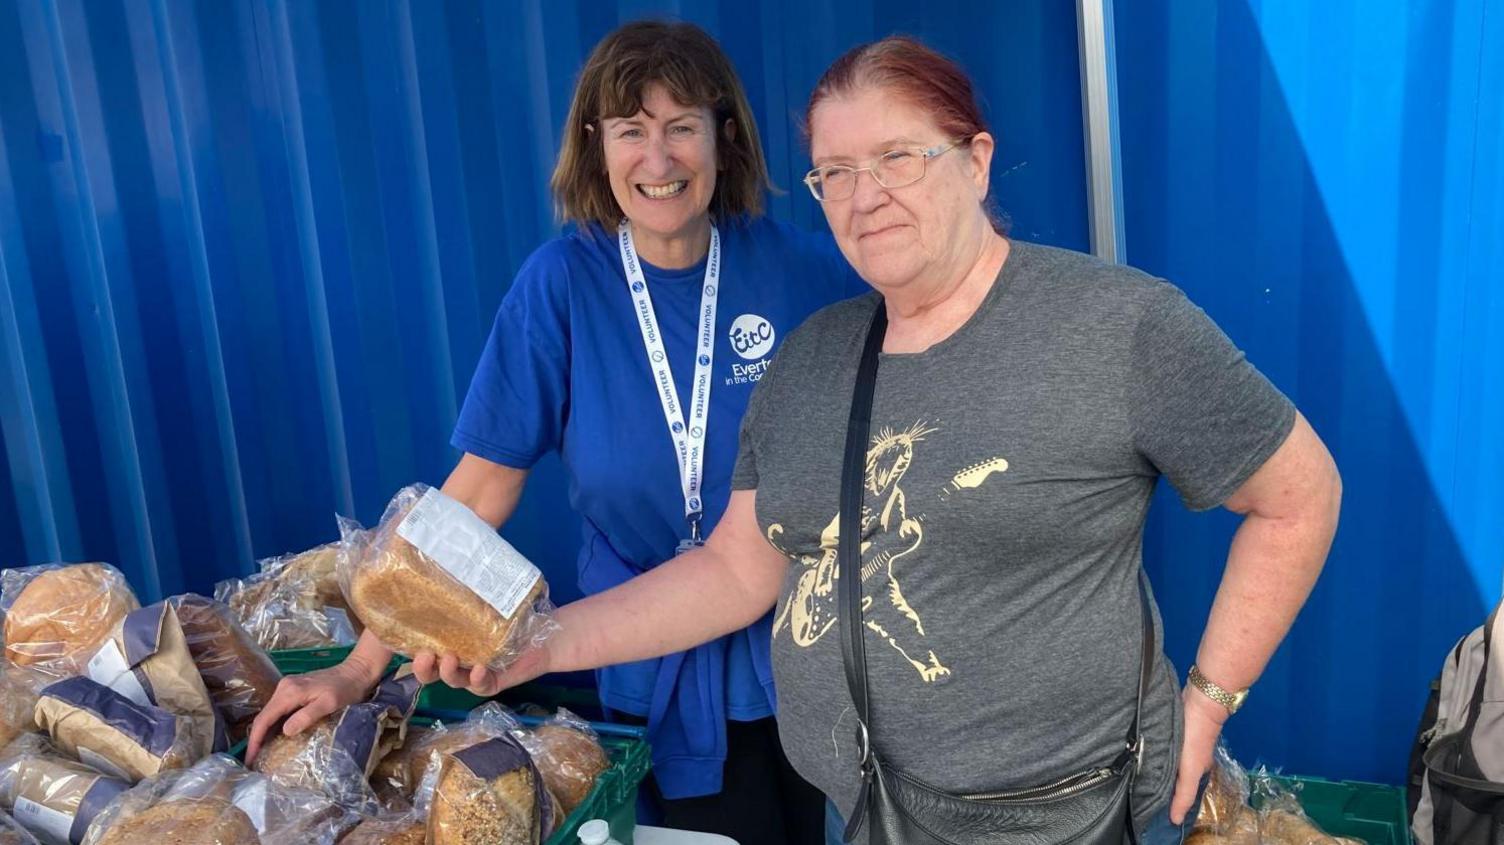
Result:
[[1462, 786]]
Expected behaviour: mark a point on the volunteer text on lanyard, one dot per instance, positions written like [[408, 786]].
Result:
[[689, 440]]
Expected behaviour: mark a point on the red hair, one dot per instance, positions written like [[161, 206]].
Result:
[[928, 80], [906, 68]]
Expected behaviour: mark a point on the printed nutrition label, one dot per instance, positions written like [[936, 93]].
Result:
[[470, 550], [49, 825]]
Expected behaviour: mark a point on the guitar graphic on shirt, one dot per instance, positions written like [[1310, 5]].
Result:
[[889, 534]]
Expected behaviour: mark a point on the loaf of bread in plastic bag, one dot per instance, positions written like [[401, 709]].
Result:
[[218, 802], [338, 754], [433, 576], [239, 675], [50, 794], [487, 794], [294, 601], [98, 725], [56, 616], [568, 754]]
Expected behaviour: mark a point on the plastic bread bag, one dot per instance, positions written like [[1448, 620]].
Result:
[[147, 660], [18, 698], [295, 601], [568, 754], [389, 829], [103, 728], [12, 833], [338, 754], [1226, 796], [488, 721], [395, 779], [312, 575], [56, 616], [399, 777], [490, 793], [238, 673], [53, 797], [432, 552], [217, 802], [1225, 817], [1282, 820]]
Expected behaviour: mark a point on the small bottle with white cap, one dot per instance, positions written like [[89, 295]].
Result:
[[596, 832]]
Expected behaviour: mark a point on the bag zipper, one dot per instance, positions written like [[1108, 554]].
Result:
[[1059, 789]]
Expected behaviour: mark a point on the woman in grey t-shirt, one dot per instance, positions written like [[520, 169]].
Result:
[[1027, 401]]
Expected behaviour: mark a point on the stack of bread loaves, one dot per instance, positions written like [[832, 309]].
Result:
[[111, 714]]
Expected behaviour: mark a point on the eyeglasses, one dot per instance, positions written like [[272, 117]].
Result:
[[893, 169]]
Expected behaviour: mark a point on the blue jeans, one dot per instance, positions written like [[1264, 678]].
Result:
[[835, 826], [1159, 830]]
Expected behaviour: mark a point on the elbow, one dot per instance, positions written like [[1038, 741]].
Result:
[[1332, 492]]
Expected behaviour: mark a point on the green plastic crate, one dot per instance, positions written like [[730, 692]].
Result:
[[296, 661], [1372, 812]]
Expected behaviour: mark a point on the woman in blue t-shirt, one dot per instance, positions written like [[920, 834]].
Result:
[[631, 346]]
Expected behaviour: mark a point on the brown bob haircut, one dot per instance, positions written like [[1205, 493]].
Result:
[[686, 61]]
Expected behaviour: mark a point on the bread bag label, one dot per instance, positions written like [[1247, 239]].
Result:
[[48, 825], [109, 668], [102, 763], [460, 542]]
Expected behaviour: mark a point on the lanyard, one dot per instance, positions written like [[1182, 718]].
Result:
[[689, 440]]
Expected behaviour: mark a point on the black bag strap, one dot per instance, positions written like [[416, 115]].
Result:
[[1475, 706], [849, 543], [848, 555]]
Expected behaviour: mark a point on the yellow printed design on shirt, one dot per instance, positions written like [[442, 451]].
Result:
[[889, 532]]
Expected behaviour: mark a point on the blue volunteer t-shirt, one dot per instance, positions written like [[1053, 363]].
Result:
[[565, 368]]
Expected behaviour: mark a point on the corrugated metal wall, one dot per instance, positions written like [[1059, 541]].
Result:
[[1327, 180], [251, 249]]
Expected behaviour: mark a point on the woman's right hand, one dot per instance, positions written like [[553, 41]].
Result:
[[482, 681], [305, 699]]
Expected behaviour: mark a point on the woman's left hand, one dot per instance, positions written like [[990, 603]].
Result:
[[1203, 724]]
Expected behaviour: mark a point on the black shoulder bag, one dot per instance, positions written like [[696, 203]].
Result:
[[1089, 808]]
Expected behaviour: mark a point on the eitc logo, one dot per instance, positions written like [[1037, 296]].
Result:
[[752, 336]]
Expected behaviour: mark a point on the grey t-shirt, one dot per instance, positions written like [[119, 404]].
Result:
[[1007, 481]]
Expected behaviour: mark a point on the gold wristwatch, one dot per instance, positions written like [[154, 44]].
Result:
[[1231, 700]]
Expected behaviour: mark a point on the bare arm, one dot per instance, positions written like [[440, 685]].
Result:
[[489, 489], [694, 598], [721, 587], [1290, 507]]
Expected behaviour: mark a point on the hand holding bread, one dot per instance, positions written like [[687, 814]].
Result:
[[433, 576]]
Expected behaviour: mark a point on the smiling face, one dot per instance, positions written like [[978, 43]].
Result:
[[662, 166], [931, 229]]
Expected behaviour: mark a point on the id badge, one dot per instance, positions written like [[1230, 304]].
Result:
[[694, 540]]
